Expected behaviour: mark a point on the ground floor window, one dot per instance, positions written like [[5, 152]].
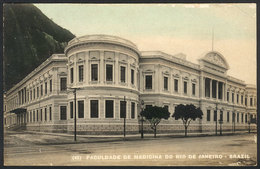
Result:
[[50, 114], [41, 114], [237, 117], [81, 109], [122, 109], [37, 116], [215, 115], [71, 109], [208, 115], [45, 114], [228, 116], [94, 108], [132, 110], [109, 108], [63, 112]]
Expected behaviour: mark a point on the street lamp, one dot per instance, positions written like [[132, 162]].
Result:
[[249, 122], [221, 122], [75, 114], [142, 120], [124, 114]]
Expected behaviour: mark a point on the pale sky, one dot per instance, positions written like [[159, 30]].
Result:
[[171, 28]]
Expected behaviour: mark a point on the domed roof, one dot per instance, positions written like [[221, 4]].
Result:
[[215, 58], [103, 39]]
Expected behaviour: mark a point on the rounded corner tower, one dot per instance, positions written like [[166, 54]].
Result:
[[103, 70]]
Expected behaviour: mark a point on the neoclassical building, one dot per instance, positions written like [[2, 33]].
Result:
[[108, 78]]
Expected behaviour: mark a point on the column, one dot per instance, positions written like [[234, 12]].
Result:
[[101, 71], [128, 72], [87, 68], [201, 86], [181, 85], [223, 91], [117, 70], [75, 70]]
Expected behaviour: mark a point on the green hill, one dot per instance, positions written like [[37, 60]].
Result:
[[30, 38]]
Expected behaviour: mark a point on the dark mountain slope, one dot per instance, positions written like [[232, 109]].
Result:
[[30, 38]]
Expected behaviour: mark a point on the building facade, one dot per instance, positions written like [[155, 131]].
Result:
[[108, 78]]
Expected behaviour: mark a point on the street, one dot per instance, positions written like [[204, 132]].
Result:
[[34, 149]]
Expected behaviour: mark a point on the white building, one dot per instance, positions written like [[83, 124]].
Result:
[[111, 77]]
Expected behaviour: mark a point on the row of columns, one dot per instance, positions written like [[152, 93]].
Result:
[[210, 88]]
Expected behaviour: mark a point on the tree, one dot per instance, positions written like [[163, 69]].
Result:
[[154, 115], [187, 113]]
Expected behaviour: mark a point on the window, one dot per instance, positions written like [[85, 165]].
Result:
[[41, 114], [81, 109], [63, 83], [109, 72], [94, 72], [228, 116], [41, 90], [122, 109], [220, 89], [228, 96], [246, 101], [245, 118], [94, 108], [232, 97], [221, 116], [63, 112], [33, 115], [34, 93], [251, 101], [215, 115], [207, 87], [242, 99], [237, 98], [37, 115], [71, 75], [237, 117], [50, 85], [37, 92], [233, 117], [45, 114], [132, 110], [132, 76], [45, 88], [214, 89], [185, 87], [165, 82], [122, 71], [109, 108], [242, 117], [148, 82], [50, 113], [175, 85], [193, 89], [71, 109], [208, 115], [81, 73]]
